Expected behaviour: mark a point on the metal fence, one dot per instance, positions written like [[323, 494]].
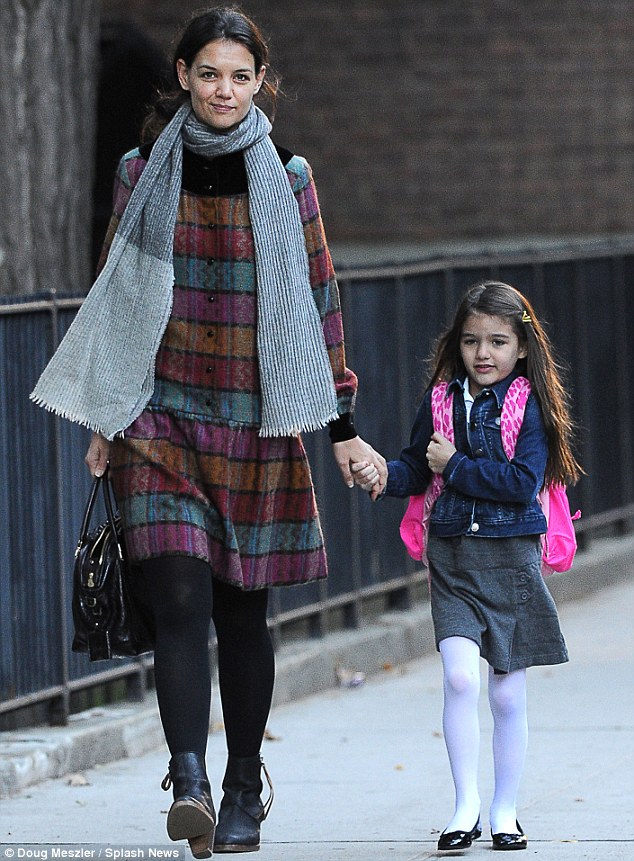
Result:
[[585, 292]]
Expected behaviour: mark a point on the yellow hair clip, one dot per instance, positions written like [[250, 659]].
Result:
[[526, 318]]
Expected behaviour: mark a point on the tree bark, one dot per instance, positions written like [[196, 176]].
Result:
[[48, 68]]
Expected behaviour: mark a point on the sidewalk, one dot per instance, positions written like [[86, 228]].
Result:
[[362, 772]]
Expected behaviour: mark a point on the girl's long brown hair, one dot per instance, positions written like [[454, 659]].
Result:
[[497, 299]]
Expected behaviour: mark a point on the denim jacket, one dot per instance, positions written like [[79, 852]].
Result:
[[484, 494]]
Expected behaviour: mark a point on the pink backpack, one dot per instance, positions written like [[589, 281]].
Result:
[[559, 543]]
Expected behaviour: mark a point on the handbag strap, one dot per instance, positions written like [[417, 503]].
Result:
[[85, 524], [104, 482], [107, 497]]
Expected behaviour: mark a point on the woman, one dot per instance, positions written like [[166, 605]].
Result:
[[210, 340]]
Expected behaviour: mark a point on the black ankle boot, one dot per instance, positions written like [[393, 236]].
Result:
[[241, 810], [192, 815]]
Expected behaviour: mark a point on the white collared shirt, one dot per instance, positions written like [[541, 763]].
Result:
[[468, 400]]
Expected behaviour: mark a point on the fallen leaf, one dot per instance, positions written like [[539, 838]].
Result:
[[77, 780], [268, 735], [348, 678]]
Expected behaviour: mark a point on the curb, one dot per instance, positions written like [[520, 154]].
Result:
[[124, 731]]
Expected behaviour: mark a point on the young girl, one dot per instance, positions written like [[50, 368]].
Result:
[[488, 597]]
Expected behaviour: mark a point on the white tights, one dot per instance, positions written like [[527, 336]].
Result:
[[461, 726]]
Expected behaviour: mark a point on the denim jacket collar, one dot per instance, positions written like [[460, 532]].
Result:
[[499, 390]]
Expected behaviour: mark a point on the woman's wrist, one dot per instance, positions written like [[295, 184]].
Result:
[[342, 428]]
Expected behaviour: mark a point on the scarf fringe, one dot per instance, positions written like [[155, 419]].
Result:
[[71, 416], [309, 426]]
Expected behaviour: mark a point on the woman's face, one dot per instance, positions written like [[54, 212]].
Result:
[[221, 82]]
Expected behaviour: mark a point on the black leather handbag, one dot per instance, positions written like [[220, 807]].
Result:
[[109, 617]]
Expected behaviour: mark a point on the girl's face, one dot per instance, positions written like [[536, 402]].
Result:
[[221, 82], [490, 349]]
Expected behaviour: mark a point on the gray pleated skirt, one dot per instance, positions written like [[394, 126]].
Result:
[[491, 590]]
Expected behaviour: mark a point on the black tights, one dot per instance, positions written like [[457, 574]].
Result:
[[184, 599]]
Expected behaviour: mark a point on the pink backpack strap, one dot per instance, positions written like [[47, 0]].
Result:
[[559, 544], [442, 415], [442, 411], [512, 414], [415, 523]]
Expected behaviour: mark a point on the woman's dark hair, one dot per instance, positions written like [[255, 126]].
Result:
[[497, 299], [221, 22]]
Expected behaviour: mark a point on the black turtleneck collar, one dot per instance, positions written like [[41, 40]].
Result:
[[224, 175]]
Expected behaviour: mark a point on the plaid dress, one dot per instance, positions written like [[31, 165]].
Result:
[[191, 474]]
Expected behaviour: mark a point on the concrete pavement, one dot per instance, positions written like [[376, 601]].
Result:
[[362, 772]]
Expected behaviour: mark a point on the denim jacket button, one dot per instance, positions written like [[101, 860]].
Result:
[[479, 452], [475, 527]]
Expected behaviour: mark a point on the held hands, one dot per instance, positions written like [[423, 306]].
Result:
[[367, 477], [360, 463], [370, 471], [439, 452], [362, 466], [97, 455]]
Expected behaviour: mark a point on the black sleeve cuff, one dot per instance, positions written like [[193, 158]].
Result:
[[342, 428]]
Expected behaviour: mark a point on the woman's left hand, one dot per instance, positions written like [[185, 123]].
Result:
[[439, 452], [356, 450]]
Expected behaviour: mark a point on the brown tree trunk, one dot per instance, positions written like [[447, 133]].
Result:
[[48, 75]]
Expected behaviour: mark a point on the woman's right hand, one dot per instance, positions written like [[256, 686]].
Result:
[[97, 455]]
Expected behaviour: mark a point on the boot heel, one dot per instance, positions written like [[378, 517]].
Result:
[[200, 846], [188, 818]]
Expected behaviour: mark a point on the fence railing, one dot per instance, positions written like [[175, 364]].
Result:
[[584, 290]]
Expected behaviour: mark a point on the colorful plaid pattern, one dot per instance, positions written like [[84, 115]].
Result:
[[192, 476], [242, 502]]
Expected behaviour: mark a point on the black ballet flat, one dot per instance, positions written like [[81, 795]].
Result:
[[508, 842], [459, 839]]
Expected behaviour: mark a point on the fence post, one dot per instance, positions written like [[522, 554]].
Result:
[[60, 707]]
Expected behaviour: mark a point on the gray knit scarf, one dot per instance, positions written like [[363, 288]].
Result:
[[102, 374]]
